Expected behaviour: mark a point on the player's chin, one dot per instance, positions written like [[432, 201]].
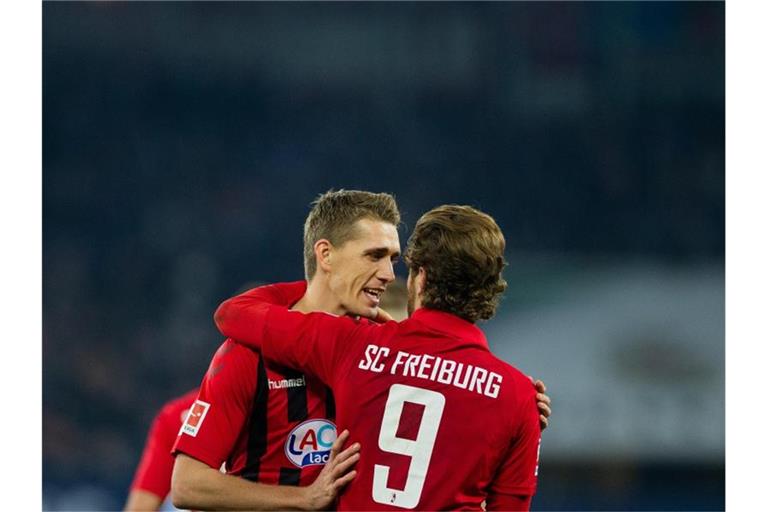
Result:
[[366, 310], [373, 313]]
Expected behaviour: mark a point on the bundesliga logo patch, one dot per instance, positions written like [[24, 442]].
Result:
[[195, 418], [310, 443]]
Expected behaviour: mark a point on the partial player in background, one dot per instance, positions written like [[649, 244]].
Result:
[[427, 386], [152, 480]]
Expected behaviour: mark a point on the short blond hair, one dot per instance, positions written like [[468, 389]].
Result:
[[333, 217]]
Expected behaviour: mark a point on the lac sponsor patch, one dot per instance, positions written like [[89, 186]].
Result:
[[195, 418], [309, 444]]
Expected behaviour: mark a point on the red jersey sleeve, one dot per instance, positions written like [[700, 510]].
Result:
[[153, 473], [515, 482], [237, 317], [315, 343], [220, 413]]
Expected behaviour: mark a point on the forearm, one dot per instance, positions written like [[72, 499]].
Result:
[[240, 317], [197, 486]]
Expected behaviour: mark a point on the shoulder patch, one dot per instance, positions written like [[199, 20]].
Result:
[[195, 418]]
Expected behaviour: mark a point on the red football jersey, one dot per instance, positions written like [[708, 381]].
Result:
[[153, 473], [267, 424], [442, 422]]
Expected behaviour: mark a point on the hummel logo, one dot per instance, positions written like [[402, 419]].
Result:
[[287, 383]]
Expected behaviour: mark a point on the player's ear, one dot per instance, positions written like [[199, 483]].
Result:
[[421, 280], [323, 249]]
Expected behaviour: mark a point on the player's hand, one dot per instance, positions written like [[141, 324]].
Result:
[[336, 474], [543, 402]]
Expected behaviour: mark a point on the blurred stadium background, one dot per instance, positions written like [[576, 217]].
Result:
[[182, 143]]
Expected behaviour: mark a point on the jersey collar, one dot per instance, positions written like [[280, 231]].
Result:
[[450, 324]]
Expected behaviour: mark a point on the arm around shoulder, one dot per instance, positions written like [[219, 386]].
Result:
[[239, 317]]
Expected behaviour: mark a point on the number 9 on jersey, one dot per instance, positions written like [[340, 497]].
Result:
[[419, 449]]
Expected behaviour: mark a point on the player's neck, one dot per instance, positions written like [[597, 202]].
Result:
[[318, 297]]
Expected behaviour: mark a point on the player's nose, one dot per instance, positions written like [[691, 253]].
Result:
[[386, 272]]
